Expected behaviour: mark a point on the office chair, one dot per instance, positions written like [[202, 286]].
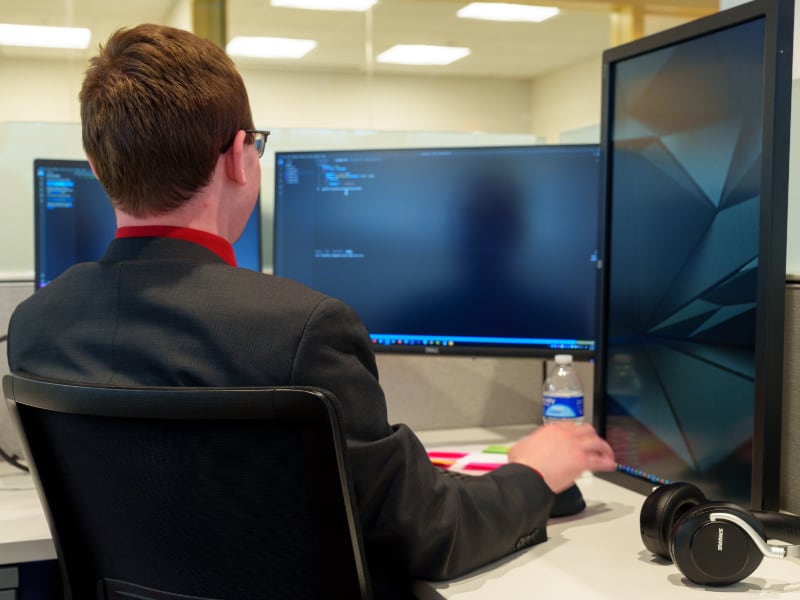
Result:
[[193, 493]]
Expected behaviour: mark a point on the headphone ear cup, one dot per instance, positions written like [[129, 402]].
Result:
[[661, 509], [715, 552]]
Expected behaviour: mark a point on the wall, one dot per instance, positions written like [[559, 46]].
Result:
[[567, 100], [40, 90], [47, 91], [386, 103]]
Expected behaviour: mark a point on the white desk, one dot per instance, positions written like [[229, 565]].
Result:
[[27, 567], [595, 555], [24, 535]]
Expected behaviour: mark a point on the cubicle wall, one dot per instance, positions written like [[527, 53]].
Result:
[[444, 392], [11, 294], [790, 430]]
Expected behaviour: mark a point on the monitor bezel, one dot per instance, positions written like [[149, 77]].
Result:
[[499, 351], [778, 18]]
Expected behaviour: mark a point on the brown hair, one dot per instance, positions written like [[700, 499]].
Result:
[[158, 105]]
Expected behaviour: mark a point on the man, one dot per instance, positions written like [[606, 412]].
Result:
[[168, 130]]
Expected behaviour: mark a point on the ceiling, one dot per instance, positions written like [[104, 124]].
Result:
[[348, 42]]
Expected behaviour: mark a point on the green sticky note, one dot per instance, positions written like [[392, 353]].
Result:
[[496, 450]]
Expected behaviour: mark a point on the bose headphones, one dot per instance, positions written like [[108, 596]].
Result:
[[713, 543]]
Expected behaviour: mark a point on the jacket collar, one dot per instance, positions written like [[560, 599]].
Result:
[[219, 246]]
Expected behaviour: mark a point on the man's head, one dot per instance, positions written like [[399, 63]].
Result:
[[158, 106]]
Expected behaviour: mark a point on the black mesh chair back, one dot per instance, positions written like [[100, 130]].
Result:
[[210, 493]]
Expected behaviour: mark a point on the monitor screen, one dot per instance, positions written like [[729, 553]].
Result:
[[695, 141], [74, 220], [448, 250]]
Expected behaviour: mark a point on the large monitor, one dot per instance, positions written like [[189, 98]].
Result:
[[448, 250], [74, 221], [695, 138]]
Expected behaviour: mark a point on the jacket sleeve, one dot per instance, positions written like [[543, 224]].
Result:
[[412, 514]]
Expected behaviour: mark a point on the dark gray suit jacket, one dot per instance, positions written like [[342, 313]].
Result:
[[157, 311]]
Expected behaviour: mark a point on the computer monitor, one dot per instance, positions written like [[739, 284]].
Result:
[[695, 138], [486, 250], [74, 220]]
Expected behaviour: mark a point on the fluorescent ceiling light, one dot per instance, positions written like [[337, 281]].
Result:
[[418, 54], [354, 5], [498, 11], [269, 47], [44, 37]]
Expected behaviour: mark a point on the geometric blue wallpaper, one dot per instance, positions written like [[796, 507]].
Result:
[[683, 259]]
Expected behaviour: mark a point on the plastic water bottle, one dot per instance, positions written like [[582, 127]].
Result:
[[562, 393]]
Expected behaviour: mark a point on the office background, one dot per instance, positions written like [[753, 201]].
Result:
[[313, 109]]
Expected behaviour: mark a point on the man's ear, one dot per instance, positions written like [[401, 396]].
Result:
[[91, 165], [234, 159]]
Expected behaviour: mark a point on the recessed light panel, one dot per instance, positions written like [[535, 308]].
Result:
[[499, 11], [269, 47], [351, 5], [35, 36], [419, 54]]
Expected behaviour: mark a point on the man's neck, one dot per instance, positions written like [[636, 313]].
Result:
[[197, 213]]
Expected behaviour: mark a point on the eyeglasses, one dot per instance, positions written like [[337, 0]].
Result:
[[254, 136], [259, 138]]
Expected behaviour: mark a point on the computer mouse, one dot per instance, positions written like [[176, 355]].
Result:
[[568, 502]]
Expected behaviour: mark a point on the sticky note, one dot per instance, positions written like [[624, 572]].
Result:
[[496, 450], [482, 466], [445, 454]]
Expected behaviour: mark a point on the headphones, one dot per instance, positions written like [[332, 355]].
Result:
[[713, 543]]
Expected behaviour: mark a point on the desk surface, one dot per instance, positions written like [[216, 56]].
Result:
[[595, 555], [24, 535]]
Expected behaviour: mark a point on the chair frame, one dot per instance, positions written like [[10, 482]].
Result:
[[26, 393]]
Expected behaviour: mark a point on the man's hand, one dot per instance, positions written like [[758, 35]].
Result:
[[560, 452]]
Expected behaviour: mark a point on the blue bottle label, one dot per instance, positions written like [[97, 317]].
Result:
[[563, 406]]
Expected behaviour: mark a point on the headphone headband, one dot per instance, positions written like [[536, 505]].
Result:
[[765, 549], [780, 526]]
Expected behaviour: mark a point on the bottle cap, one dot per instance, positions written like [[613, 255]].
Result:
[[563, 359]]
